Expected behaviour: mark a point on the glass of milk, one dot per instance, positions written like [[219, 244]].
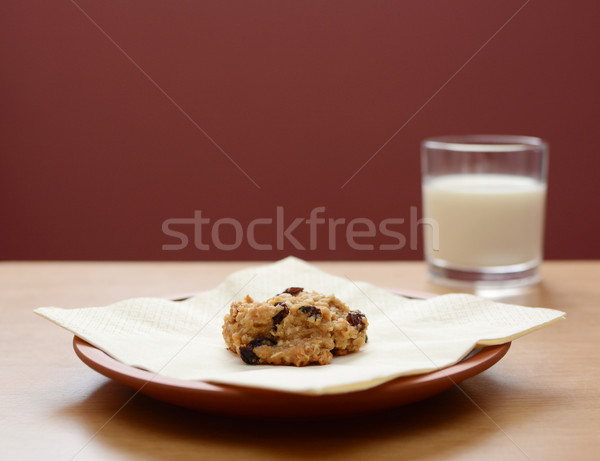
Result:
[[483, 207]]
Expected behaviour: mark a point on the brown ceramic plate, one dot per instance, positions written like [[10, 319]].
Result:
[[250, 402], [245, 401]]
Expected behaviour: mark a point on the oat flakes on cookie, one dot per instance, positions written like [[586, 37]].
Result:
[[295, 327]]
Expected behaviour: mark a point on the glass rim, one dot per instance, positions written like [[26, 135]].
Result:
[[485, 143]]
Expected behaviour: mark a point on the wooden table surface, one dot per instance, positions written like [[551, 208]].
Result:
[[541, 401]]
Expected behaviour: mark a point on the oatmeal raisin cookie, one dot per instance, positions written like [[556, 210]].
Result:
[[295, 327]]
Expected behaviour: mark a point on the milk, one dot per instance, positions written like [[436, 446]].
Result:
[[484, 220]]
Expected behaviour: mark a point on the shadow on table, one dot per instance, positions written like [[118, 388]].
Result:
[[148, 429]]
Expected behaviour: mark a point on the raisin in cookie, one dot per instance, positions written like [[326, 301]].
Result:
[[295, 327]]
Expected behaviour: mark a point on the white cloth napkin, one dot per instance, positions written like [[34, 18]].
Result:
[[183, 339]]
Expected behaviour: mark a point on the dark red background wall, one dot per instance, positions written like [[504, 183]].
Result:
[[97, 152]]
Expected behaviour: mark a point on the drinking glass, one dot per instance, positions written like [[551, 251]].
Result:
[[483, 207]]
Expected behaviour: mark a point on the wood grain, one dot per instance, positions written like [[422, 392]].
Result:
[[541, 401]]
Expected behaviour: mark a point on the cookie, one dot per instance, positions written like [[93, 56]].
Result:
[[295, 327]]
